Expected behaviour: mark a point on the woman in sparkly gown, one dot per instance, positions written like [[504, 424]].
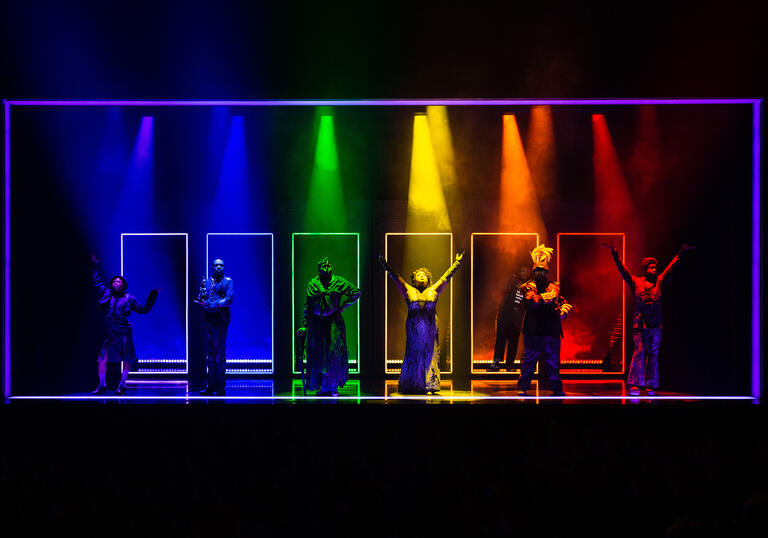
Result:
[[420, 372]]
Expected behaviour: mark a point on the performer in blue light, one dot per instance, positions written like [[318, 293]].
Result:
[[215, 297], [115, 305], [420, 372], [324, 332]]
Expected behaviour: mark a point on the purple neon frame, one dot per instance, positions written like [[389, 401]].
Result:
[[756, 228]]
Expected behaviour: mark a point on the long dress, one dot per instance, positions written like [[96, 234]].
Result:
[[326, 344], [420, 372], [115, 307]]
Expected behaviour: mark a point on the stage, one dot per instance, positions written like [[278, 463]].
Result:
[[266, 391]]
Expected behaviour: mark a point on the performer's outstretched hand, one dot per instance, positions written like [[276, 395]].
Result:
[[609, 245], [459, 257], [301, 332], [565, 308], [384, 263]]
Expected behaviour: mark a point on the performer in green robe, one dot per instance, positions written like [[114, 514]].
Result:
[[324, 330]]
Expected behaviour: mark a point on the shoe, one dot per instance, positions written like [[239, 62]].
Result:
[[322, 393], [560, 393], [101, 389], [634, 391], [334, 393], [651, 392], [522, 393], [207, 391], [120, 390], [495, 367]]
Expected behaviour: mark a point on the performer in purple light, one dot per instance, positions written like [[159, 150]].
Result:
[[420, 372], [646, 325], [115, 306], [324, 333], [542, 329], [215, 297]]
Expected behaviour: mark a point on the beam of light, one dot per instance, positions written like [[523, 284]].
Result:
[[540, 150], [325, 202], [138, 192], [231, 206], [614, 208], [518, 204], [442, 144], [427, 211], [644, 166]]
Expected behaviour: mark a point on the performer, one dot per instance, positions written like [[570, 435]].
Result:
[[646, 325], [509, 321], [542, 330], [215, 297], [420, 372], [323, 332], [115, 306]]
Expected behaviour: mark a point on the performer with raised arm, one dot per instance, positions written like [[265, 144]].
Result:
[[215, 297], [420, 372], [646, 325], [542, 329], [115, 306], [324, 334]]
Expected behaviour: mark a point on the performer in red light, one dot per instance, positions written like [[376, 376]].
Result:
[[542, 329], [646, 325]]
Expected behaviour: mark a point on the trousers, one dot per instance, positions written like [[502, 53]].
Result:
[[644, 368], [544, 350], [214, 348]]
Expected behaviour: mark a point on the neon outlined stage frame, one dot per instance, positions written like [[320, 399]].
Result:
[[623, 300], [243, 371], [473, 370], [358, 359], [387, 369], [756, 103], [186, 300]]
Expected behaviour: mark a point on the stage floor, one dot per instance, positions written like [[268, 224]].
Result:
[[503, 391]]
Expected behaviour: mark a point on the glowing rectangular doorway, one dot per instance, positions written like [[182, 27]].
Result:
[[161, 337], [495, 258], [343, 251], [405, 252], [249, 261], [595, 331]]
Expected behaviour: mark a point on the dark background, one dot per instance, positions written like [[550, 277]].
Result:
[[649, 470]]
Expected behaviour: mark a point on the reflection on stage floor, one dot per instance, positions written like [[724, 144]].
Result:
[[475, 391]]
